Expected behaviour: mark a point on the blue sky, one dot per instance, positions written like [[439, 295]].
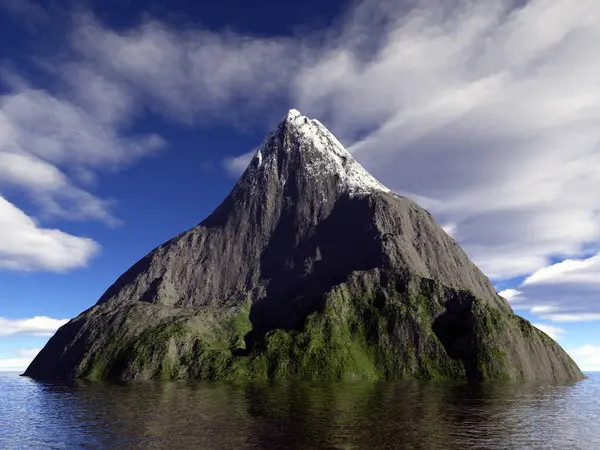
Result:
[[125, 123]]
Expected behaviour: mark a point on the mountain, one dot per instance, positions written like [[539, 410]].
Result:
[[309, 269]]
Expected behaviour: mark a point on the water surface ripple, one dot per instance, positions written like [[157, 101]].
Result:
[[299, 415]]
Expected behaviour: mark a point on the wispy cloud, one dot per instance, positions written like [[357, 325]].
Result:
[[40, 134], [53, 143], [512, 295], [236, 165], [203, 76], [24, 245], [569, 271], [35, 326], [567, 291], [572, 317], [18, 361], [552, 331], [587, 357]]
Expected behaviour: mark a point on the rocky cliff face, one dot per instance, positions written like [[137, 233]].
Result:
[[310, 268]]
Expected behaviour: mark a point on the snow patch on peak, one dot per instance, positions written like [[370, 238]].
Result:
[[293, 114], [323, 155], [335, 159]]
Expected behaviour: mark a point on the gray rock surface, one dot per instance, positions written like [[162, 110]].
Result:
[[303, 222]]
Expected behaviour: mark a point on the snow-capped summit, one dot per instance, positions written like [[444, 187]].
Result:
[[292, 114], [322, 155]]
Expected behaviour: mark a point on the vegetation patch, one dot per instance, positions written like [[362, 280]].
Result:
[[384, 335]]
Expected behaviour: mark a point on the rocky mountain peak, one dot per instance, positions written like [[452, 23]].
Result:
[[309, 269], [307, 147]]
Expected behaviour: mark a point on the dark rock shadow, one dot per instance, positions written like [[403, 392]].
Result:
[[455, 330], [345, 241]]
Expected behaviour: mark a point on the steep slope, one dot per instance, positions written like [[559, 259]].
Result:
[[310, 268]]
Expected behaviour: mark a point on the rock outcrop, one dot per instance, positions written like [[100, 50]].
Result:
[[309, 269]]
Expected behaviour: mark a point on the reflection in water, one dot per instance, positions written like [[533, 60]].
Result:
[[381, 415]]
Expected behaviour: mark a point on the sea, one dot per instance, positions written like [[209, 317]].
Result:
[[299, 415]]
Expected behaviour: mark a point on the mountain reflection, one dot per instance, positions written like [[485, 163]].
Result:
[[303, 415]]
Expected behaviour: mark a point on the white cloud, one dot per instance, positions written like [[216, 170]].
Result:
[[235, 166], [30, 352], [19, 361], [550, 330], [567, 291], [194, 75], [572, 317], [24, 169], [36, 326], [587, 357], [40, 133], [50, 142], [58, 131], [512, 295], [450, 229], [26, 246], [543, 309], [568, 271]]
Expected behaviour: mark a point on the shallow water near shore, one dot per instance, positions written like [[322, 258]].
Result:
[[294, 415]]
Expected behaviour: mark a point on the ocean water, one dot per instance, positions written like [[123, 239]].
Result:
[[299, 415]]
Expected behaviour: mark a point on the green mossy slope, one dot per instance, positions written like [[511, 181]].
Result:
[[383, 334]]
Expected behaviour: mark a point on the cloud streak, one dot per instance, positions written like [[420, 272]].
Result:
[[552, 331], [36, 326], [19, 361], [24, 245], [203, 75], [41, 134], [587, 357], [567, 291], [236, 165], [52, 146]]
